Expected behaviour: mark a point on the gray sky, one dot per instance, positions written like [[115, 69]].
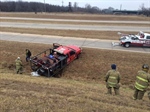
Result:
[[124, 4]]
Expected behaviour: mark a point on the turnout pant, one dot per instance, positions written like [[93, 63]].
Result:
[[138, 94], [116, 89]]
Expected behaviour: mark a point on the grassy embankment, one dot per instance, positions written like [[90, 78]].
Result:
[[21, 93], [81, 88]]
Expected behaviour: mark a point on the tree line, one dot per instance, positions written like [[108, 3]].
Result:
[[12, 6], [22, 6]]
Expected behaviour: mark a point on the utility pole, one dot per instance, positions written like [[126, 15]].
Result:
[[62, 3], [120, 6], [70, 7], [44, 7], [62, 7]]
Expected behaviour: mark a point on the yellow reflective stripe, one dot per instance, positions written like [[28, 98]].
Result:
[[140, 85], [142, 79], [111, 82], [139, 88], [112, 77]]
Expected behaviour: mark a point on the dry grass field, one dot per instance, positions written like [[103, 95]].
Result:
[[76, 16], [22, 93], [109, 35], [95, 62], [81, 87]]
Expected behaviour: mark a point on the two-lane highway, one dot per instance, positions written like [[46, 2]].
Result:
[[74, 27], [82, 42]]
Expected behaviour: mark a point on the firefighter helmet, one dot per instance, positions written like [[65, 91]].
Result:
[[145, 66], [113, 66]]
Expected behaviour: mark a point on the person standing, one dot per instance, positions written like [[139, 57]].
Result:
[[28, 54], [55, 55], [142, 82], [112, 79], [148, 95], [19, 67]]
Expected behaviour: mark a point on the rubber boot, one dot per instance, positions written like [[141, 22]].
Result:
[[140, 95], [116, 91], [109, 91]]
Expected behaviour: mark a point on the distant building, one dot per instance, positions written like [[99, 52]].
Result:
[[126, 12]]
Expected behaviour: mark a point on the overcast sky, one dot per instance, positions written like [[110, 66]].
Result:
[[117, 4]]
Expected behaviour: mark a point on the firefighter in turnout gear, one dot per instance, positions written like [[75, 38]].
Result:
[[19, 67], [28, 55], [112, 79], [148, 95], [142, 82]]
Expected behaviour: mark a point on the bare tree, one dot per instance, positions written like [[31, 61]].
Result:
[[144, 11]]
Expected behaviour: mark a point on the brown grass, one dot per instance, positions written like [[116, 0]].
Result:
[[80, 89], [76, 16], [21, 93], [75, 23], [109, 35], [95, 63]]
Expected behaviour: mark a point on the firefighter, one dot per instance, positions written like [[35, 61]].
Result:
[[28, 54], [112, 79], [19, 67], [148, 95], [55, 55], [141, 83]]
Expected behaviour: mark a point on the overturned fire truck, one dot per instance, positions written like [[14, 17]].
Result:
[[51, 62]]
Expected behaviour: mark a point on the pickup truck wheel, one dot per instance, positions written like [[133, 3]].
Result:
[[127, 45]]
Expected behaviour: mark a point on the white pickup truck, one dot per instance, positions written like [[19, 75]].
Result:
[[141, 39]]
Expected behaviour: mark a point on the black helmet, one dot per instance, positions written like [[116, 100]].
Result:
[[145, 66], [113, 66]]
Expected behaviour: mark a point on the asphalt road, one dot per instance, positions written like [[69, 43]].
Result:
[[82, 42], [74, 27]]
